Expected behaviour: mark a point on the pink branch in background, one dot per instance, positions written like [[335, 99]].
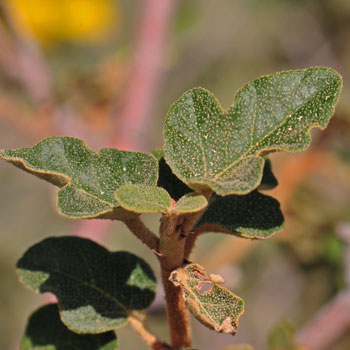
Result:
[[333, 320], [329, 324], [141, 92], [145, 76]]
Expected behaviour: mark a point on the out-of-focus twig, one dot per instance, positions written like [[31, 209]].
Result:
[[143, 85], [333, 320], [328, 325], [145, 76], [24, 60]]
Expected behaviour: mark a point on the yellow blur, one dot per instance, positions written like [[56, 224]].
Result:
[[51, 21]]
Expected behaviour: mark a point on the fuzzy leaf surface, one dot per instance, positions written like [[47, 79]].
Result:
[[213, 305], [254, 216], [95, 288], [190, 203], [210, 148], [143, 199], [45, 331], [87, 179]]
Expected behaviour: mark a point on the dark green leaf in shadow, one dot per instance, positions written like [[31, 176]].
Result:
[[87, 179], [209, 148], [214, 306], [268, 181], [45, 331], [173, 185], [143, 199], [96, 289], [253, 215]]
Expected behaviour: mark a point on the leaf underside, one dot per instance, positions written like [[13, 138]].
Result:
[[254, 216], [215, 307], [45, 331], [96, 289], [87, 179], [209, 148]]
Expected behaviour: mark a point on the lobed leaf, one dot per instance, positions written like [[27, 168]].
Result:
[[45, 331], [96, 289], [253, 215], [217, 308], [87, 179], [209, 148]]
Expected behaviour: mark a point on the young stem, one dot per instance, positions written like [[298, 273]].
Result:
[[138, 228], [174, 231], [149, 338], [171, 249]]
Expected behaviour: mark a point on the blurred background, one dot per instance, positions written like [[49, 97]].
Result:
[[107, 71]]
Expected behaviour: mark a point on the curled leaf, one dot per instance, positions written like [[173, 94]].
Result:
[[213, 305]]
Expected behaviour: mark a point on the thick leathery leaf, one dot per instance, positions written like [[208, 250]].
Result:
[[143, 199], [268, 181], [96, 289], [209, 148], [88, 179], [173, 185], [213, 305], [45, 331], [253, 215], [190, 203]]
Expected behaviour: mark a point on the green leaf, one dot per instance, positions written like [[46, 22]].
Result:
[[209, 148], [158, 154], [96, 289], [173, 185], [214, 306], [88, 179], [268, 181], [253, 215], [283, 337], [190, 203], [45, 331], [143, 199]]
